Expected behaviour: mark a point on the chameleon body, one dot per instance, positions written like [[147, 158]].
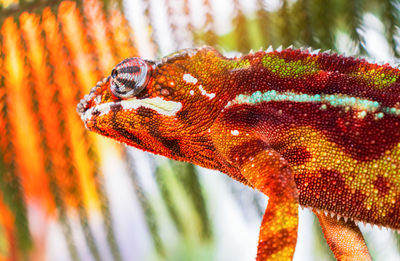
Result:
[[312, 129]]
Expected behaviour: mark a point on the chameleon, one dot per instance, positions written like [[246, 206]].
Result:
[[306, 128]]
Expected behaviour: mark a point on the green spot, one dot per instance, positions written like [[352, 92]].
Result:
[[290, 69], [239, 64], [378, 79]]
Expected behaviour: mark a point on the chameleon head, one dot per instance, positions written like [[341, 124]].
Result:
[[159, 106]]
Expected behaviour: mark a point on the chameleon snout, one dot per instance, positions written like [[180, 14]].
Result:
[[94, 98], [82, 106]]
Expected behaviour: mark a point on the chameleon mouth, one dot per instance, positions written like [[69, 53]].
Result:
[[161, 106]]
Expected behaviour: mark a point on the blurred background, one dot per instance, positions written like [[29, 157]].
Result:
[[67, 194]]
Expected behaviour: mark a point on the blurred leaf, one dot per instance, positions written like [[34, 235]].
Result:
[[302, 24], [321, 248], [352, 15], [284, 25], [391, 20], [263, 20], [323, 20], [188, 176], [146, 205]]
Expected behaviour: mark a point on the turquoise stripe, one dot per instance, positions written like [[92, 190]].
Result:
[[334, 100]]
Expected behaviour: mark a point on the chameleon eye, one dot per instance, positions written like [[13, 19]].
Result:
[[130, 77]]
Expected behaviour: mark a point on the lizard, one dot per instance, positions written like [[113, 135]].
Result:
[[306, 128]]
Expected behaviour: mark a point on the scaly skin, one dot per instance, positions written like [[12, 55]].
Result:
[[316, 130]]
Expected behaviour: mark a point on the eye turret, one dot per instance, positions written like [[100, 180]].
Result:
[[130, 77]]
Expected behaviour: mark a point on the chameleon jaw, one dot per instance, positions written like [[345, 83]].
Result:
[[161, 106]]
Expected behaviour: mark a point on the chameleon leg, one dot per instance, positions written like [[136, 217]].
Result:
[[344, 238], [264, 169], [278, 233]]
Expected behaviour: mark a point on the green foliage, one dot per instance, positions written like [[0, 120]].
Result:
[[147, 207], [390, 16], [181, 192], [188, 177], [314, 23]]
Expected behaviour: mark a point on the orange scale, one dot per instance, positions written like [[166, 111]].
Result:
[[170, 72], [162, 79], [171, 84]]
